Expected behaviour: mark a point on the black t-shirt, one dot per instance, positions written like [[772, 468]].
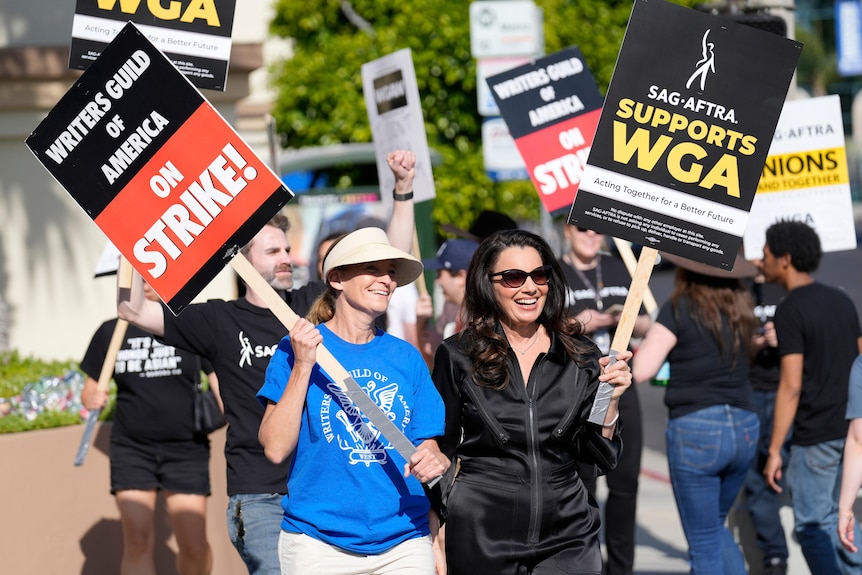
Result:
[[821, 323], [300, 299], [155, 389], [239, 338], [765, 367], [612, 288], [702, 374]]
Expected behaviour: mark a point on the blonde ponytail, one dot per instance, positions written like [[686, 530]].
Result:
[[323, 308]]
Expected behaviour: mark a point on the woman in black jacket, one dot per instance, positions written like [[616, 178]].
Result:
[[518, 384]]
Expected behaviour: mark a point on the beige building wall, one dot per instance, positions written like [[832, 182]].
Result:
[[48, 246], [62, 519]]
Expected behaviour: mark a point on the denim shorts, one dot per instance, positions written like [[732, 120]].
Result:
[[143, 468]]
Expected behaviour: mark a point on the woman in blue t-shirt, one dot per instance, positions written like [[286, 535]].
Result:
[[705, 332], [353, 504]]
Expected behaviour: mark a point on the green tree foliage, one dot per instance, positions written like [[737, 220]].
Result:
[[319, 91]]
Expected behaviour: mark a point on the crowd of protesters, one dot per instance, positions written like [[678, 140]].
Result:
[[764, 396]]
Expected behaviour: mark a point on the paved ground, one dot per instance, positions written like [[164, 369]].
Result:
[[661, 546]]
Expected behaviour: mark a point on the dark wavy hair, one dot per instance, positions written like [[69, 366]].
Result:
[[714, 300], [488, 350], [797, 239]]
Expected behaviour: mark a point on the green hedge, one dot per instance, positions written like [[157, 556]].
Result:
[[16, 372]]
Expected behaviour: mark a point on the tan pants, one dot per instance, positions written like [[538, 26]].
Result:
[[300, 554]]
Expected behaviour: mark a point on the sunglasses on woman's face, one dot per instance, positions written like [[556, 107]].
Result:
[[516, 278]]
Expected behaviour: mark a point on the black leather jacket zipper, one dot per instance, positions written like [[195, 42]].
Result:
[[535, 465]]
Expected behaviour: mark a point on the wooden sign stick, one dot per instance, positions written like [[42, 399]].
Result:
[[625, 250], [124, 279], [285, 314], [420, 281], [631, 309]]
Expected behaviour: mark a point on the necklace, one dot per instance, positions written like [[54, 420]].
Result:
[[524, 351], [596, 289]]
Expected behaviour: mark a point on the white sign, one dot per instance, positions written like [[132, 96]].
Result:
[[505, 28], [395, 114], [487, 67], [109, 260], [848, 31], [502, 159], [805, 177]]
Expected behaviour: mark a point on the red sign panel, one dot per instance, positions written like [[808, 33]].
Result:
[[556, 158]]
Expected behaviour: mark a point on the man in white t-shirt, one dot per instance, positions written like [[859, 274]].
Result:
[[401, 314]]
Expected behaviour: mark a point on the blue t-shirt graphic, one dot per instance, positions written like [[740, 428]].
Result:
[[346, 485]]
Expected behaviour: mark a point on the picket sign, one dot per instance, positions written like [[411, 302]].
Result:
[[184, 144], [666, 65]]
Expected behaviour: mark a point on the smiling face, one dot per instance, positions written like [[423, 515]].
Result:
[[365, 287], [584, 244], [522, 305]]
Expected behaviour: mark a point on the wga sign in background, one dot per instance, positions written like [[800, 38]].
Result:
[[194, 34]]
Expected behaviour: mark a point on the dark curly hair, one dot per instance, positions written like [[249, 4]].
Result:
[[797, 239], [488, 350]]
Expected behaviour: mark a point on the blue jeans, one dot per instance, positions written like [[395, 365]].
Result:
[[254, 525], [709, 453], [763, 502], [814, 477]]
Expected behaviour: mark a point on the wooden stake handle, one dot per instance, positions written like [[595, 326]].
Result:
[[639, 285], [420, 281], [286, 315], [124, 280], [625, 250]]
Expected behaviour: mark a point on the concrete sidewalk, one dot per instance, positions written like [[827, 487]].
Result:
[[661, 545]]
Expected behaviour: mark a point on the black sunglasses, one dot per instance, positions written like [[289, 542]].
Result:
[[516, 278]]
